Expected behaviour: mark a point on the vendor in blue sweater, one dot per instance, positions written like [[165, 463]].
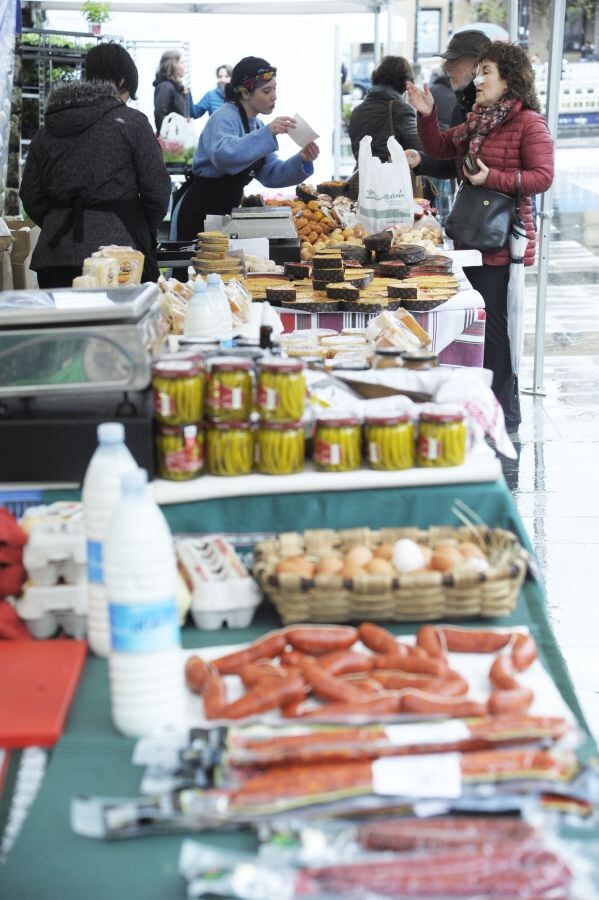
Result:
[[235, 146], [214, 99]]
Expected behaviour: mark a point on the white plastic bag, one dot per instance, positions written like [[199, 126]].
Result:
[[177, 129], [385, 196]]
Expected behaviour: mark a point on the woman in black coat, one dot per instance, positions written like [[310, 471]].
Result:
[[170, 94], [94, 174], [383, 113]]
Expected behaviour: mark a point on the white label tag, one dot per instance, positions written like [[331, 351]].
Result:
[[424, 733], [430, 775]]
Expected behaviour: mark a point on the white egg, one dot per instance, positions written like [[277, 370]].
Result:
[[475, 564], [407, 556]]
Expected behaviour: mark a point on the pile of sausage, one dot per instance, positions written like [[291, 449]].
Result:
[[289, 666]]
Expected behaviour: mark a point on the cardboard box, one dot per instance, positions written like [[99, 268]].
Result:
[[25, 234]]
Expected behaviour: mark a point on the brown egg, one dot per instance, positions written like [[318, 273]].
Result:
[[379, 566], [360, 555], [297, 565], [329, 565], [351, 570], [427, 554], [383, 551], [471, 550], [445, 559]]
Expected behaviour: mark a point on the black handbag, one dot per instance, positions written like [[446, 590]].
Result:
[[481, 218]]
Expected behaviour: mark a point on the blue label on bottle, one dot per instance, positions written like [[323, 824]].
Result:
[[95, 562], [144, 627]]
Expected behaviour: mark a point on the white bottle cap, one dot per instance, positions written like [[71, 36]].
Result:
[[213, 278], [134, 482], [111, 433], [199, 286]]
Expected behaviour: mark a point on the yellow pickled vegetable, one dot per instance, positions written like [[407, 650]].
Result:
[[337, 444], [280, 448], [281, 391], [389, 442], [229, 391], [229, 449], [441, 439], [178, 391], [180, 452]]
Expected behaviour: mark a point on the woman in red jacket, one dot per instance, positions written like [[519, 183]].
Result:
[[504, 134]]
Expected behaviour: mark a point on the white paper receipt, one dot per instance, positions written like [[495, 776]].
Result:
[[303, 133], [430, 775], [413, 733]]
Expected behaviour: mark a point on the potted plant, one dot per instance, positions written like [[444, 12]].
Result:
[[95, 14]]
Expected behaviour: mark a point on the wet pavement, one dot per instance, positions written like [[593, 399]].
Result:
[[555, 480]]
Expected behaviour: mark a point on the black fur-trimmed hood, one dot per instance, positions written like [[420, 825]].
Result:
[[75, 105]]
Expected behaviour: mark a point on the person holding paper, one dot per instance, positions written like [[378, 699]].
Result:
[[236, 146]]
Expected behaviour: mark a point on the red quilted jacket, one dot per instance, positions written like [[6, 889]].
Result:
[[523, 142]]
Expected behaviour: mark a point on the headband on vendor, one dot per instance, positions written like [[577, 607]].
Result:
[[250, 73]]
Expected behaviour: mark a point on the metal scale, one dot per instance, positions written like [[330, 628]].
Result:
[[70, 359], [272, 222]]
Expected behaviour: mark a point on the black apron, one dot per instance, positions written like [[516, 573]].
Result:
[[132, 215], [199, 196]]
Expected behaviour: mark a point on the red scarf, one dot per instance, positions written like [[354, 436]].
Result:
[[479, 123]]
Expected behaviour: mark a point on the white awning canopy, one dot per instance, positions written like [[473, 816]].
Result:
[[224, 7]]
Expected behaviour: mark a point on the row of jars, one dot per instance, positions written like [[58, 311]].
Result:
[[185, 391], [385, 442]]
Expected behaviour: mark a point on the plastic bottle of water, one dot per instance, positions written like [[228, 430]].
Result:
[[101, 490], [199, 316], [145, 665], [220, 307]]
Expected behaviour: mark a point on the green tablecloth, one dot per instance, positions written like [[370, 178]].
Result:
[[49, 861]]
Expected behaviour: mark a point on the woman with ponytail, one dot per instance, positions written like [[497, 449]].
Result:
[[236, 146]]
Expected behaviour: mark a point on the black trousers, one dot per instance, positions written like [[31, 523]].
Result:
[[57, 276], [491, 282]]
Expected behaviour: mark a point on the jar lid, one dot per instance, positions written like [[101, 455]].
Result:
[[442, 414], [350, 365], [391, 419], [229, 426], [389, 351], [231, 363], [280, 426], [177, 368], [420, 356], [337, 419], [281, 365], [180, 430]]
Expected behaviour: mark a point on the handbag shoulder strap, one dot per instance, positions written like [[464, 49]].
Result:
[[517, 212], [391, 123]]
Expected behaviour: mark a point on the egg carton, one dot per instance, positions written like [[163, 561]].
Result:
[[56, 548], [222, 590], [45, 609]]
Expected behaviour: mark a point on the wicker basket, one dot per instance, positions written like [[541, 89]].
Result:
[[426, 596]]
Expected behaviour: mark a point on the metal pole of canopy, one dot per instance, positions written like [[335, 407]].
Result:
[[337, 99], [377, 36], [390, 10], [554, 74], [513, 23]]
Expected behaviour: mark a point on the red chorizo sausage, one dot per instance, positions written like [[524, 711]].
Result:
[[214, 694], [377, 639], [501, 674], [196, 672], [346, 662], [420, 665], [266, 648], [320, 639], [517, 699], [429, 639], [420, 702], [291, 657], [471, 640], [524, 651], [397, 680], [385, 705], [268, 695], [327, 686], [262, 670]]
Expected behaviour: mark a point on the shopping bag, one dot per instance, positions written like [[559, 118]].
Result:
[[385, 197], [177, 130]]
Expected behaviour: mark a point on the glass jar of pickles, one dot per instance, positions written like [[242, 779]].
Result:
[[441, 438], [389, 441], [337, 443], [229, 448], [179, 451], [229, 389], [178, 391], [280, 448], [281, 390]]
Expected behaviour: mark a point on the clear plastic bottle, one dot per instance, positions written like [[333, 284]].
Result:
[[145, 665], [199, 315], [101, 490], [223, 320]]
